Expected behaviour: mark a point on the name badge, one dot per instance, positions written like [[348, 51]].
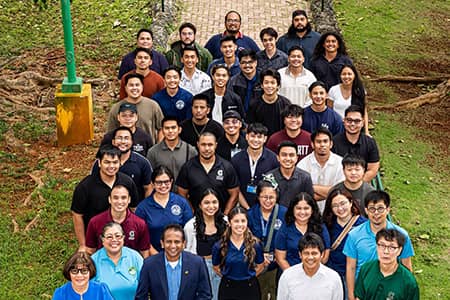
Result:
[[251, 189]]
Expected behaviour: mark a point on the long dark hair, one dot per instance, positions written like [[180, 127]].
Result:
[[199, 223], [314, 222], [328, 215], [249, 240], [358, 91], [320, 49]]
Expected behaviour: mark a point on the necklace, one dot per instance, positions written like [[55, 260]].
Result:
[[196, 130]]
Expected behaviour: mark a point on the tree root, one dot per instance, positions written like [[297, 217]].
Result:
[[15, 224], [33, 222], [39, 183], [412, 79]]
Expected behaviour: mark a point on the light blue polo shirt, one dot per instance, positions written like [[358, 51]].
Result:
[[122, 279], [362, 246]]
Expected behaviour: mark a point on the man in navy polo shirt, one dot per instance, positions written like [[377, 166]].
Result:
[[90, 196], [135, 229], [232, 27], [208, 170], [173, 100], [228, 48], [251, 164]]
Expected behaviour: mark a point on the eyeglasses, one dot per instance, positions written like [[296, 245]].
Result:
[[379, 210], [187, 33], [355, 121], [233, 21], [111, 237], [247, 62], [267, 198], [75, 271], [231, 121], [162, 182], [389, 248], [340, 204]]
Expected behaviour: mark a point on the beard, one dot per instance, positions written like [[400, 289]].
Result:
[[307, 27]]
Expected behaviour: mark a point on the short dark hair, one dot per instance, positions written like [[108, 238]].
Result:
[[391, 235], [219, 66], [247, 52], [287, 144], [321, 130], [161, 170], [202, 97], [272, 73], [311, 240], [207, 133], [109, 150], [233, 11], [187, 25], [169, 118], [79, 258], [190, 48], [266, 184], [122, 128], [134, 75], [351, 159], [318, 83], [148, 51], [354, 108], [110, 225], [227, 38], [294, 48], [170, 68], [377, 196], [292, 110], [173, 227], [257, 128], [269, 31], [144, 30]]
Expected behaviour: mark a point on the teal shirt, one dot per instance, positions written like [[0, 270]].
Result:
[[122, 279]]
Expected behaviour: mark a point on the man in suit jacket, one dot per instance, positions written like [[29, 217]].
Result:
[[174, 274]]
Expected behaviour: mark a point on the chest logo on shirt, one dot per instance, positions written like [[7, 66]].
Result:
[[131, 235], [175, 210], [219, 175], [132, 271], [277, 224], [179, 104], [325, 125]]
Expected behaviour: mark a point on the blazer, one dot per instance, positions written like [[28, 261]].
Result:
[[194, 279]]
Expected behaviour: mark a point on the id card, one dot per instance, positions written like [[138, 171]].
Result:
[[251, 189]]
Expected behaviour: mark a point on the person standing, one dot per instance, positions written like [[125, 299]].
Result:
[[228, 57], [192, 79], [233, 141], [270, 57]]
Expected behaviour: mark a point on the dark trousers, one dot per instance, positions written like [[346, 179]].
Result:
[[239, 289]]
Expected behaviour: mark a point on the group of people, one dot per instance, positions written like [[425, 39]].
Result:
[[225, 165]]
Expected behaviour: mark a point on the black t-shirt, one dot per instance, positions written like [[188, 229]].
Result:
[[142, 141], [366, 147], [268, 114], [226, 149], [190, 135], [194, 178], [204, 246]]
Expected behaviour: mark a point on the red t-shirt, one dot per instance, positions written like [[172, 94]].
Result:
[[303, 141], [153, 83]]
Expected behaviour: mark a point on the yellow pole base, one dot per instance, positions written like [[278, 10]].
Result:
[[74, 116]]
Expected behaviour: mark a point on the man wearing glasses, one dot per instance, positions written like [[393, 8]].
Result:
[[232, 27], [232, 142], [187, 34], [354, 141], [361, 244]]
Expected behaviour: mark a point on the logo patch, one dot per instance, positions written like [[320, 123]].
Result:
[[175, 210], [219, 175], [277, 224], [179, 104], [131, 235]]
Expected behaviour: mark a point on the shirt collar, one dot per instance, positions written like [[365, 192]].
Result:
[[239, 34]]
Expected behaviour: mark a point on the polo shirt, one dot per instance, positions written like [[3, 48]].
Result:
[[329, 71], [328, 118], [90, 196], [241, 163], [260, 227], [277, 61], [136, 232], [300, 181], [242, 41], [142, 141], [234, 68], [122, 279], [287, 240], [337, 260], [325, 284], [199, 82], [173, 278], [227, 150], [153, 83], [190, 135], [179, 106], [308, 43], [373, 285], [96, 290], [236, 267], [362, 246], [358, 195], [138, 168], [194, 178], [177, 211], [161, 155], [303, 141], [159, 63], [295, 88], [366, 147]]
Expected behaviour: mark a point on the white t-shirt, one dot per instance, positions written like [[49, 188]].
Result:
[[340, 104], [217, 109]]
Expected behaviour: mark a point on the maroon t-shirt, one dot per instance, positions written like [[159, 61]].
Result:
[[303, 141], [137, 236]]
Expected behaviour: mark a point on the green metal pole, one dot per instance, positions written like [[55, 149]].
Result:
[[71, 83]]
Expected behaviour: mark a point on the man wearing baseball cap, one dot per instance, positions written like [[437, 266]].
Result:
[[233, 141]]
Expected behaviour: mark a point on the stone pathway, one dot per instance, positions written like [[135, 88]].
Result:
[[209, 15]]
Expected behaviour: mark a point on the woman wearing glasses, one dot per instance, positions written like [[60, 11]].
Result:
[[117, 266], [79, 270], [341, 214], [162, 207]]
